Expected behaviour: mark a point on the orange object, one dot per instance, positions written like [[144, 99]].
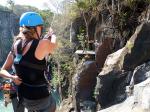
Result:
[[7, 87]]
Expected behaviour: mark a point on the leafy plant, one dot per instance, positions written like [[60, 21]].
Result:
[[86, 4], [148, 1], [82, 39], [63, 62], [47, 16]]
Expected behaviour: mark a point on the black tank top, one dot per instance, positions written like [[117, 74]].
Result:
[[31, 71]]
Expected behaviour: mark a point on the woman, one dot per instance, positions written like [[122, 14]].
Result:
[[28, 57]]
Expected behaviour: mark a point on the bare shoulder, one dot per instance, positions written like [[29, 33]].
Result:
[[47, 44], [42, 49], [44, 44]]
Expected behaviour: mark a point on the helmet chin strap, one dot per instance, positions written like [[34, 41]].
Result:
[[37, 33]]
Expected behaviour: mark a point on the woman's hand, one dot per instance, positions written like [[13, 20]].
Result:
[[50, 31], [16, 80], [52, 36], [49, 34]]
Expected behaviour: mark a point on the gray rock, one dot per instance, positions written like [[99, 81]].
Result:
[[9, 27], [138, 102]]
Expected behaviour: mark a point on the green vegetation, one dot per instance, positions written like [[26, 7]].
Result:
[[47, 16], [63, 68], [86, 4], [82, 39]]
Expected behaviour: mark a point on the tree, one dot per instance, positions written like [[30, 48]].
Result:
[[84, 7], [47, 16]]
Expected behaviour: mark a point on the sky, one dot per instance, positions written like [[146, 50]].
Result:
[[36, 3]]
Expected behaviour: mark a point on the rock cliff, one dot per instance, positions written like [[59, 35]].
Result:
[[9, 27]]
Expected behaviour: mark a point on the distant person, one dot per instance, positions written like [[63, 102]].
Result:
[[28, 57]]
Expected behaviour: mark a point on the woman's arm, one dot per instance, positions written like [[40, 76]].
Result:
[[46, 46], [9, 61], [7, 65], [50, 41]]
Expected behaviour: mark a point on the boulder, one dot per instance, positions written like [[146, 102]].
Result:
[[119, 66], [138, 102], [140, 47], [102, 51], [84, 82]]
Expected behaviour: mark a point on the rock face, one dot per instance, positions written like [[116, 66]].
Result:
[[135, 52], [76, 26], [139, 101], [117, 70], [84, 83], [103, 51], [141, 47], [8, 24], [118, 64], [8, 28]]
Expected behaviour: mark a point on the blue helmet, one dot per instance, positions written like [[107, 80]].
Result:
[[30, 19]]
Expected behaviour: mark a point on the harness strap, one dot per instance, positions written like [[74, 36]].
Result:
[[40, 85]]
